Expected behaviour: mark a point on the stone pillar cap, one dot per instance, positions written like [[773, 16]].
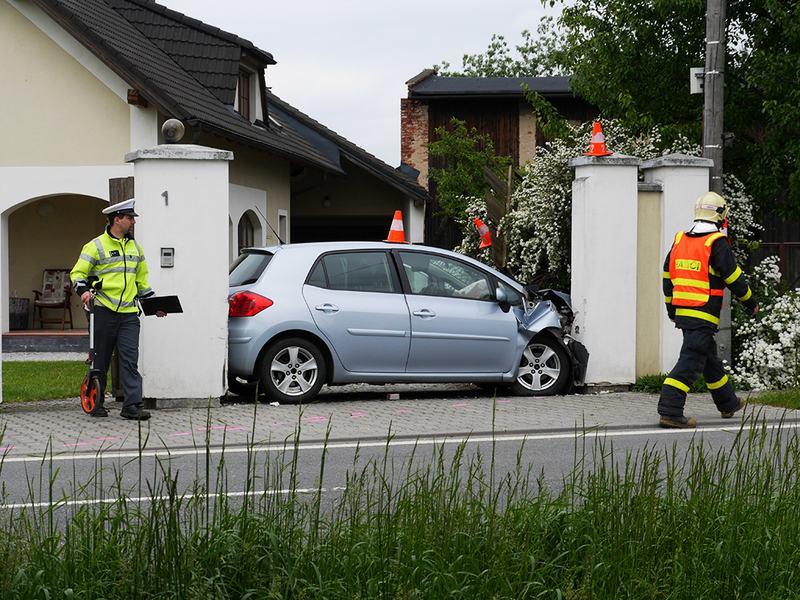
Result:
[[677, 160], [179, 152], [612, 160]]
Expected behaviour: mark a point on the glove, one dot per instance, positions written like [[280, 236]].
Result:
[[752, 310]]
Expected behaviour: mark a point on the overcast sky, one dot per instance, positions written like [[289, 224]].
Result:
[[345, 63]]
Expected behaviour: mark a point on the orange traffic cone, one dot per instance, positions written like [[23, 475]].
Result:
[[396, 233], [597, 147], [483, 230]]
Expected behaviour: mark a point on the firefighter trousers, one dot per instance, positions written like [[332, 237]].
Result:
[[120, 330], [698, 355]]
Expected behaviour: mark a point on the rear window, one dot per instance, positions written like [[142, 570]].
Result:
[[248, 267]]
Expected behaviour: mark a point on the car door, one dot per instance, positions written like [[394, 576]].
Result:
[[356, 301], [456, 325]]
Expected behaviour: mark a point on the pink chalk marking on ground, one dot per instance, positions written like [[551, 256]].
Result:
[[182, 433], [503, 401], [106, 439], [315, 419], [76, 444], [459, 405], [358, 414], [6, 448]]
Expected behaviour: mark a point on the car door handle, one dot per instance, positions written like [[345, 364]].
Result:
[[327, 308], [424, 313]]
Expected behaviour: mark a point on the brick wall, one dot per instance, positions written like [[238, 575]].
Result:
[[414, 137]]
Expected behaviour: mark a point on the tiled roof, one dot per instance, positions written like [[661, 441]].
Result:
[[212, 60], [148, 68], [314, 129], [438, 86]]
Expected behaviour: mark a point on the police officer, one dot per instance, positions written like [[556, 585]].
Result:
[[117, 260], [697, 268]]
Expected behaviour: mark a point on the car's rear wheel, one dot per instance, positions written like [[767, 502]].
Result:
[[292, 371], [543, 369]]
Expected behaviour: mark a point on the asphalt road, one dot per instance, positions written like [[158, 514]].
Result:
[[84, 478]]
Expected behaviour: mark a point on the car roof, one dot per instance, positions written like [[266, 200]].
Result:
[[317, 248]]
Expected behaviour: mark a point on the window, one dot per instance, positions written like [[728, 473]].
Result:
[[248, 268], [247, 232], [356, 271], [432, 275], [244, 94], [283, 226]]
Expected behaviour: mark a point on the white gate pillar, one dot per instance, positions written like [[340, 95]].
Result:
[[182, 200], [604, 230], [683, 179]]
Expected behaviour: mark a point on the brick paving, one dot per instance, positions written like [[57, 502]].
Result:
[[354, 412]]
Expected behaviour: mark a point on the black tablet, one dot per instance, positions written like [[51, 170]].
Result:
[[168, 304]]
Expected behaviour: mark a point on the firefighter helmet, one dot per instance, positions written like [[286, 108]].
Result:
[[711, 207]]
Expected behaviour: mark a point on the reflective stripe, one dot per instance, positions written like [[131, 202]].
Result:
[[713, 238], [665, 274], [697, 314], [676, 384], [115, 270], [717, 384], [668, 299], [695, 283], [747, 295], [99, 245], [713, 271], [733, 276], [88, 258], [145, 293], [115, 301], [678, 236], [678, 295]]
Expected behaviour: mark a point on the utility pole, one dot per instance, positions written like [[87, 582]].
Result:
[[714, 90], [713, 122]]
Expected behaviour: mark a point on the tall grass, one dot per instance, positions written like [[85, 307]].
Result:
[[444, 523]]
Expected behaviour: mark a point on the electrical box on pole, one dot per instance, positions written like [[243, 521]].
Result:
[[697, 77]]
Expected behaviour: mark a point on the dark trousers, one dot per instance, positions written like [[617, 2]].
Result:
[[698, 355], [120, 330]]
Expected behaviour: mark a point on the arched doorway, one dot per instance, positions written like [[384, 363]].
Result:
[[47, 233]]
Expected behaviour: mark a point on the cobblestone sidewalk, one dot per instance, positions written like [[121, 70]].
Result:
[[353, 412]]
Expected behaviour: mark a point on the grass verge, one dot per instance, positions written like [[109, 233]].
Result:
[[647, 523], [32, 380], [789, 398]]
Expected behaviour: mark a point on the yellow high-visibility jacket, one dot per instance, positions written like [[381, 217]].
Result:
[[120, 265]]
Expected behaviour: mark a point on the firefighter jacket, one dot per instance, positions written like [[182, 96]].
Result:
[[696, 270], [120, 265]]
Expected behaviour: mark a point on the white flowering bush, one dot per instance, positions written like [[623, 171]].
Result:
[[538, 225], [768, 346]]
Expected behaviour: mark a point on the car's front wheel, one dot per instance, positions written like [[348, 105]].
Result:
[[292, 371], [543, 369]]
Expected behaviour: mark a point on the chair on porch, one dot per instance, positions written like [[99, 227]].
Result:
[[54, 295]]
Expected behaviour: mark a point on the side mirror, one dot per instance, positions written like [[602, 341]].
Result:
[[502, 299]]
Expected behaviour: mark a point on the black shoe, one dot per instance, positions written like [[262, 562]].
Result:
[[677, 422], [99, 411], [728, 414], [135, 414]]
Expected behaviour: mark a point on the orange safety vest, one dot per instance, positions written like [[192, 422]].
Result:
[[688, 269]]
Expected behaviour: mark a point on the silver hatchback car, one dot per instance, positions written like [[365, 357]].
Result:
[[305, 315]]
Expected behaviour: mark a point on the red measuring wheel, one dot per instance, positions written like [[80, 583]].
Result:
[[90, 390]]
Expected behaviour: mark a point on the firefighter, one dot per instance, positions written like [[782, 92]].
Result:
[[697, 269], [117, 260]]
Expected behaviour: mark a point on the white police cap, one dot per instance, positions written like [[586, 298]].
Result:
[[121, 208]]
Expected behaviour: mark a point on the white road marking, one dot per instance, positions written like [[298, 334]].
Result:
[[183, 497], [429, 440]]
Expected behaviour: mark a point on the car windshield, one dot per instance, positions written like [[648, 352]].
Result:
[[248, 267]]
